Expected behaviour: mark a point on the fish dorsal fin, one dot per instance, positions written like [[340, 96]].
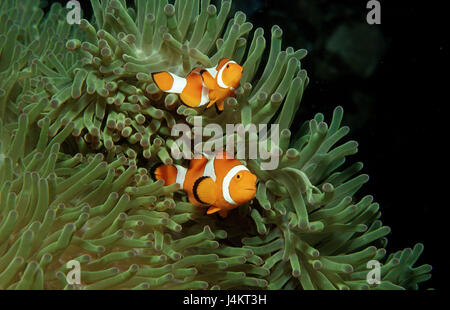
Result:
[[221, 63], [212, 71], [224, 155], [204, 190], [195, 93], [210, 170], [198, 162], [208, 79], [212, 210], [163, 80]]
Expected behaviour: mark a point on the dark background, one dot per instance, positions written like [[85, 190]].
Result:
[[389, 78]]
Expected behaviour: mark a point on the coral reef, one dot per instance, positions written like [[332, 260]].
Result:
[[82, 122]]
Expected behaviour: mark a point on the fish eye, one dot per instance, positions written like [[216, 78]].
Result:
[[238, 176], [228, 66]]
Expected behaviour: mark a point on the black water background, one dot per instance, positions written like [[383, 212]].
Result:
[[399, 120]]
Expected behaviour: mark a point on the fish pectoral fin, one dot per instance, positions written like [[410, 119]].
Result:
[[208, 79], [212, 210], [212, 98], [205, 190]]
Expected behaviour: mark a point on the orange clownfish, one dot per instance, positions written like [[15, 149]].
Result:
[[203, 86], [221, 182]]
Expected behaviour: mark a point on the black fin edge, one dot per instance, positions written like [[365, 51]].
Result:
[[152, 74], [194, 189]]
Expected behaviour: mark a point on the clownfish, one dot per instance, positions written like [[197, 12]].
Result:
[[221, 182], [203, 86]]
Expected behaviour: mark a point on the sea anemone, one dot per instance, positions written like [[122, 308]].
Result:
[[81, 123]]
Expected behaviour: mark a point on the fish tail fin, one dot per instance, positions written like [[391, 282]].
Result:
[[164, 80], [168, 173]]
